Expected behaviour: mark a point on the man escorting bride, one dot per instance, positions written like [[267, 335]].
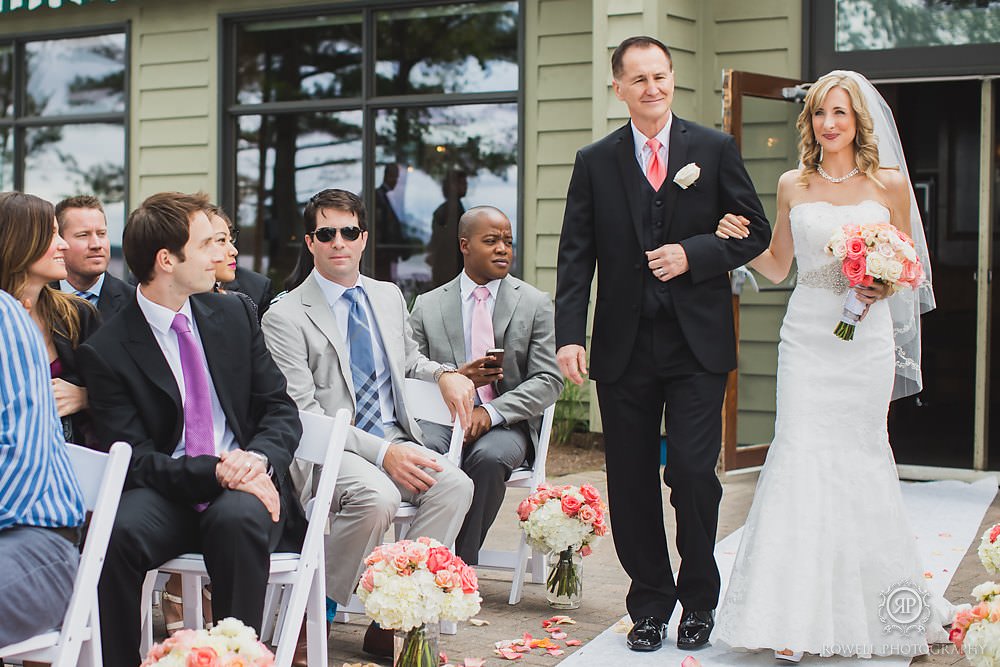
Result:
[[827, 538]]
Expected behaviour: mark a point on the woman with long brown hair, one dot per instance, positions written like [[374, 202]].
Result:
[[31, 256]]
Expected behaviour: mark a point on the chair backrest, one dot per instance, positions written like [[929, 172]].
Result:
[[542, 450], [101, 478], [424, 401], [322, 442]]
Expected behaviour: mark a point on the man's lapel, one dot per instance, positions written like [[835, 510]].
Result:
[[627, 168], [508, 294], [146, 353], [451, 316], [386, 310], [319, 313], [676, 160]]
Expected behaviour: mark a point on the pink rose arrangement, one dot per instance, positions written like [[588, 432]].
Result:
[[563, 520], [228, 644], [869, 254], [408, 584], [975, 630], [989, 549]]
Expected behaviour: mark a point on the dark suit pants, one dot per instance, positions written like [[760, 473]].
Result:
[[662, 375], [235, 533], [488, 462]]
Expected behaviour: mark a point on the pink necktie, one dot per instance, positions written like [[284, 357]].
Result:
[[482, 335], [656, 171], [199, 435]]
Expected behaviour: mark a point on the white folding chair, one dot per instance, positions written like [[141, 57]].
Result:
[[303, 574], [423, 401], [101, 479], [525, 477]]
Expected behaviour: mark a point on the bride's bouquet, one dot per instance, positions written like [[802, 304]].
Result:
[[989, 549], [563, 520], [868, 254], [975, 631], [408, 584], [228, 644]]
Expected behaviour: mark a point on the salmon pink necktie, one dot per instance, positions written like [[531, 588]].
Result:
[[656, 171], [482, 335]]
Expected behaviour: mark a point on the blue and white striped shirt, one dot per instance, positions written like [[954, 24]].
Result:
[[37, 484]]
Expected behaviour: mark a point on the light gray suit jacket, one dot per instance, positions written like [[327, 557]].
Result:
[[523, 325], [309, 348]]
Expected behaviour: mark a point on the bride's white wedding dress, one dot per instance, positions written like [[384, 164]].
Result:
[[827, 534]]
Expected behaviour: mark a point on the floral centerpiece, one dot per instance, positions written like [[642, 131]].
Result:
[[975, 630], [564, 521], [869, 254], [228, 644], [989, 549], [409, 586]]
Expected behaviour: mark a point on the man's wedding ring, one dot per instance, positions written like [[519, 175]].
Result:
[[659, 272]]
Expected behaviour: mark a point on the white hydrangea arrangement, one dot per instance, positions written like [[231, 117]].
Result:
[[989, 549], [228, 644]]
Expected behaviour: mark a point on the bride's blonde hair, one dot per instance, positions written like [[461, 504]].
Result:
[[865, 141]]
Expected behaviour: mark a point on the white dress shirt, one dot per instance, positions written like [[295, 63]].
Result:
[[94, 289], [160, 318], [644, 153], [341, 308], [467, 286]]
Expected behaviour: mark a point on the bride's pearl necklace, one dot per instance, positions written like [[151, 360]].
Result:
[[841, 179]]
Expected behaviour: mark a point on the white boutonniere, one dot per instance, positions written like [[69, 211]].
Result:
[[688, 174]]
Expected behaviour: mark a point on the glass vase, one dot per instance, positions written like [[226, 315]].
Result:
[[564, 585], [417, 647]]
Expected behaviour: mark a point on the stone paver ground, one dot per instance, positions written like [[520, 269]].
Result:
[[605, 584]]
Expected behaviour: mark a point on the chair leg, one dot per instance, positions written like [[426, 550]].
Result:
[[316, 634], [91, 652], [146, 605], [271, 599], [193, 616], [517, 584], [537, 566]]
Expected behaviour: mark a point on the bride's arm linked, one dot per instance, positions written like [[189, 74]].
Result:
[[775, 262]]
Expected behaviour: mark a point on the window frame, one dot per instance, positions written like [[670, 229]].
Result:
[[369, 103], [20, 124], [820, 53]]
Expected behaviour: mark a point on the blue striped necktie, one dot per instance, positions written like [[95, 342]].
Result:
[[368, 414], [89, 296]]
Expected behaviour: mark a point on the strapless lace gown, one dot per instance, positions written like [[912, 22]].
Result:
[[827, 533]]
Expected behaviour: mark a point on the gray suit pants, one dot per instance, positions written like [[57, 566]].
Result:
[[37, 569], [489, 462], [364, 503]]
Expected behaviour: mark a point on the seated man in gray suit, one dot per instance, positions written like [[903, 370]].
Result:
[[344, 340], [482, 309]]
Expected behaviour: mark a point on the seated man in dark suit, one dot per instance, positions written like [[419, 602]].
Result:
[[41, 507], [185, 378], [85, 229], [482, 309]]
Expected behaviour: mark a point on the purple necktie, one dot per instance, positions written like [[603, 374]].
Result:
[[199, 438]]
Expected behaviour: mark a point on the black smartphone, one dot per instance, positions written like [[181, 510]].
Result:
[[497, 354]]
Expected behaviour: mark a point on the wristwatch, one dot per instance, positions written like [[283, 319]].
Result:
[[442, 369], [263, 458]]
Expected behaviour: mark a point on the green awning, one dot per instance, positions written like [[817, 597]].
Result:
[[11, 5]]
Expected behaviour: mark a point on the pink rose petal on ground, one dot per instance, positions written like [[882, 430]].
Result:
[[945, 535], [474, 662], [928, 575], [478, 622], [690, 661], [507, 654], [573, 642], [558, 635], [555, 651]]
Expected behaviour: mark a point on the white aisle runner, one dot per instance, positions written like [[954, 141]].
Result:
[[945, 517]]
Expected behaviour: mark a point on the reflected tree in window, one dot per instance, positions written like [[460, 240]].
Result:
[[864, 25]]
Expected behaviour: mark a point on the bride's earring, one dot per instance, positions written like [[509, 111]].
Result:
[[821, 155]]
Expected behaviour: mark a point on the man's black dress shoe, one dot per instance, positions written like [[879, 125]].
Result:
[[378, 641], [647, 634], [695, 628]]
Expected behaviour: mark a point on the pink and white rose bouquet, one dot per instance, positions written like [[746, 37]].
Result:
[[228, 644], [975, 630], [563, 520], [989, 549], [868, 254]]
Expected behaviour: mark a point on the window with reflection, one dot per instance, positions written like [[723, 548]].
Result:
[[871, 25], [415, 108], [62, 124]]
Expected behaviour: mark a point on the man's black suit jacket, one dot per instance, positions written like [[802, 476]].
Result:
[[254, 285], [603, 227], [134, 397], [115, 293]]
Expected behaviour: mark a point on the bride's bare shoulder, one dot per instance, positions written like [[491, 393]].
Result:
[[891, 178], [789, 185]]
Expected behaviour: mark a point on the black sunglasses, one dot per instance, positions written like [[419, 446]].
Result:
[[327, 234]]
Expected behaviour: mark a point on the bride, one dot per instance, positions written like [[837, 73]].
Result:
[[827, 540]]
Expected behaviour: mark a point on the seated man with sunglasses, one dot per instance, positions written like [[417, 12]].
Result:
[[344, 340]]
